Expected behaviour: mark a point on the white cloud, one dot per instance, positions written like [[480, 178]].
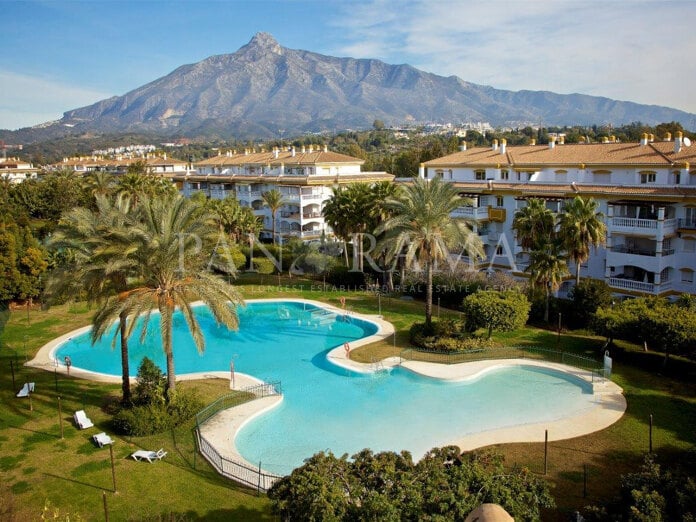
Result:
[[29, 100], [612, 49]]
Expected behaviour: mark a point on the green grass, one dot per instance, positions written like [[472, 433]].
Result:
[[37, 466]]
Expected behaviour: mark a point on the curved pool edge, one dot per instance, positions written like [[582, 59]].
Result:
[[609, 405], [46, 360]]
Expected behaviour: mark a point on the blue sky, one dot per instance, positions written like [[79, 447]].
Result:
[[60, 55]]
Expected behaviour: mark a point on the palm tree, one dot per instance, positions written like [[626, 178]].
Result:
[[273, 199], [100, 183], [533, 224], [581, 228], [165, 241], [97, 264], [548, 267], [421, 227], [382, 192], [336, 214]]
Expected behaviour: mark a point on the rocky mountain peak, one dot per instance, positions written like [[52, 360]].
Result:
[[260, 44]]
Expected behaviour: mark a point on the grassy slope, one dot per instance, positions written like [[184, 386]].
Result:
[[74, 477]]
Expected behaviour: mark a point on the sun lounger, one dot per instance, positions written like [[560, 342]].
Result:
[[150, 456], [102, 439], [82, 420], [26, 389]]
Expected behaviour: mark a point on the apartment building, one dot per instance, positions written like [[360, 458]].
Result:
[[305, 177], [154, 164], [15, 170], [646, 190]]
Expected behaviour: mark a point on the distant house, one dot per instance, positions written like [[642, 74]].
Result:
[[646, 190], [16, 171], [154, 164], [305, 178]]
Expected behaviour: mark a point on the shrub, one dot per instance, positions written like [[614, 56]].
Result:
[[340, 276], [150, 385], [493, 310], [263, 265], [148, 419], [445, 336]]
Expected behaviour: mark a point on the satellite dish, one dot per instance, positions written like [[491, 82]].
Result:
[[687, 142]]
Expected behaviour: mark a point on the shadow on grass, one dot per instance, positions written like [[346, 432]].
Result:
[[79, 482]]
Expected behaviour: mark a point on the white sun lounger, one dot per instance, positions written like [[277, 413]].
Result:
[[150, 456], [82, 420], [102, 439], [26, 389]]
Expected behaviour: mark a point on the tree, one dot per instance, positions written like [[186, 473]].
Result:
[[581, 227], [273, 199], [421, 227], [443, 485], [98, 263], [533, 224], [494, 310], [169, 240], [587, 297], [547, 268]]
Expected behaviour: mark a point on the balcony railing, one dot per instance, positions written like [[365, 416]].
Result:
[[470, 212], [639, 286], [687, 223], [643, 225]]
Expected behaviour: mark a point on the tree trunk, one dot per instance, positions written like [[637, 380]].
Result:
[[428, 295], [577, 272], [273, 225], [166, 332], [546, 310], [390, 280], [125, 368]]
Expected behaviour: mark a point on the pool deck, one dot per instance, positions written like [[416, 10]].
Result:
[[608, 407]]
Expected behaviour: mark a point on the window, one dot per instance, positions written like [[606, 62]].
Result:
[[519, 176], [647, 178], [677, 177], [439, 174], [499, 201], [480, 175], [687, 276], [504, 174], [499, 250], [689, 245]]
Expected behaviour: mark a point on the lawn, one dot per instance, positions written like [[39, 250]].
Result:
[[37, 466]]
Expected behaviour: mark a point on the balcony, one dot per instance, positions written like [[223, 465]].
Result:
[[639, 286], [687, 224], [471, 212], [641, 226], [312, 215]]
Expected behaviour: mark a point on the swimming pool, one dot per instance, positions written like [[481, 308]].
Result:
[[330, 407]]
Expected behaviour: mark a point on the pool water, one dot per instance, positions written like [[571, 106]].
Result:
[[328, 407]]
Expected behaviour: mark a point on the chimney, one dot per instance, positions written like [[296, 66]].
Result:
[[292, 152], [552, 142], [503, 145], [303, 149], [644, 139], [164, 156], [421, 171], [246, 152], [668, 136], [275, 152], [651, 137], [495, 144], [561, 140], [311, 148], [532, 141], [326, 148], [678, 142], [462, 146]]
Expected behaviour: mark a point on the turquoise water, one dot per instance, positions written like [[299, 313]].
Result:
[[328, 407]]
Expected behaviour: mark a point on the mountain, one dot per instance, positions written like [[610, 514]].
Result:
[[264, 87]]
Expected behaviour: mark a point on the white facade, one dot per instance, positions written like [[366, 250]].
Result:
[[646, 191], [16, 171], [304, 177]]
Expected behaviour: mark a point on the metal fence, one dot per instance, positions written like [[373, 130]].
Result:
[[511, 352], [238, 471]]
